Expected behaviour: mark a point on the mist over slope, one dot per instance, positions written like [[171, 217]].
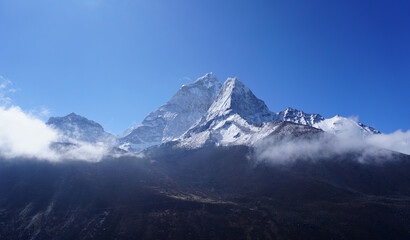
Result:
[[212, 193], [200, 114], [222, 166]]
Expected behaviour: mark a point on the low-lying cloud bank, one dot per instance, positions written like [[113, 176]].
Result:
[[398, 141], [25, 135], [349, 140]]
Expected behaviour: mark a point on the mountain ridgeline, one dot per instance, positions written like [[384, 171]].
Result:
[[201, 173], [77, 128], [201, 113]]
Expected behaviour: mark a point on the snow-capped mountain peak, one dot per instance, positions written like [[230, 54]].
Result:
[[207, 112], [236, 116], [297, 116], [236, 98], [172, 119], [74, 127], [208, 80], [345, 126]]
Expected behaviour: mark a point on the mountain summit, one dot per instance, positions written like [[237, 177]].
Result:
[[300, 117], [176, 116], [237, 117], [236, 98], [345, 126], [74, 127], [207, 112]]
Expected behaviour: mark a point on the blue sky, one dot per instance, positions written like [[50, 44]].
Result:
[[115, 61]]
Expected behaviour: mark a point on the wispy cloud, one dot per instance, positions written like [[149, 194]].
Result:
[[42, 113], [398, 141], [25, 134], [5, 90], [325, 145]]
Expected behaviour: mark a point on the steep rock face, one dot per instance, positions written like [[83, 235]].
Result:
[[237, 117], [204, 112], [236, 98], [173, 118], [74, 127]]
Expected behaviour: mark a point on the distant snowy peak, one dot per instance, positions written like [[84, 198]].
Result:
[[297, 116], [336, 125], [172, 119], [74, 127], [206, 112], [345, 126], [202, 92], [236, 116], [209, 80], [236, 98]]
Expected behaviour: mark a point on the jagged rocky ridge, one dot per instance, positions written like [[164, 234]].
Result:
[[297, 116], [237, 117], [209, 193], [206, 112]]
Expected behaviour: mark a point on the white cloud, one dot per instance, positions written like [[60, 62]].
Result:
[[84, 151], [24, 135], [5, 90], [42, 113], [350, 140], [398, 141]]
